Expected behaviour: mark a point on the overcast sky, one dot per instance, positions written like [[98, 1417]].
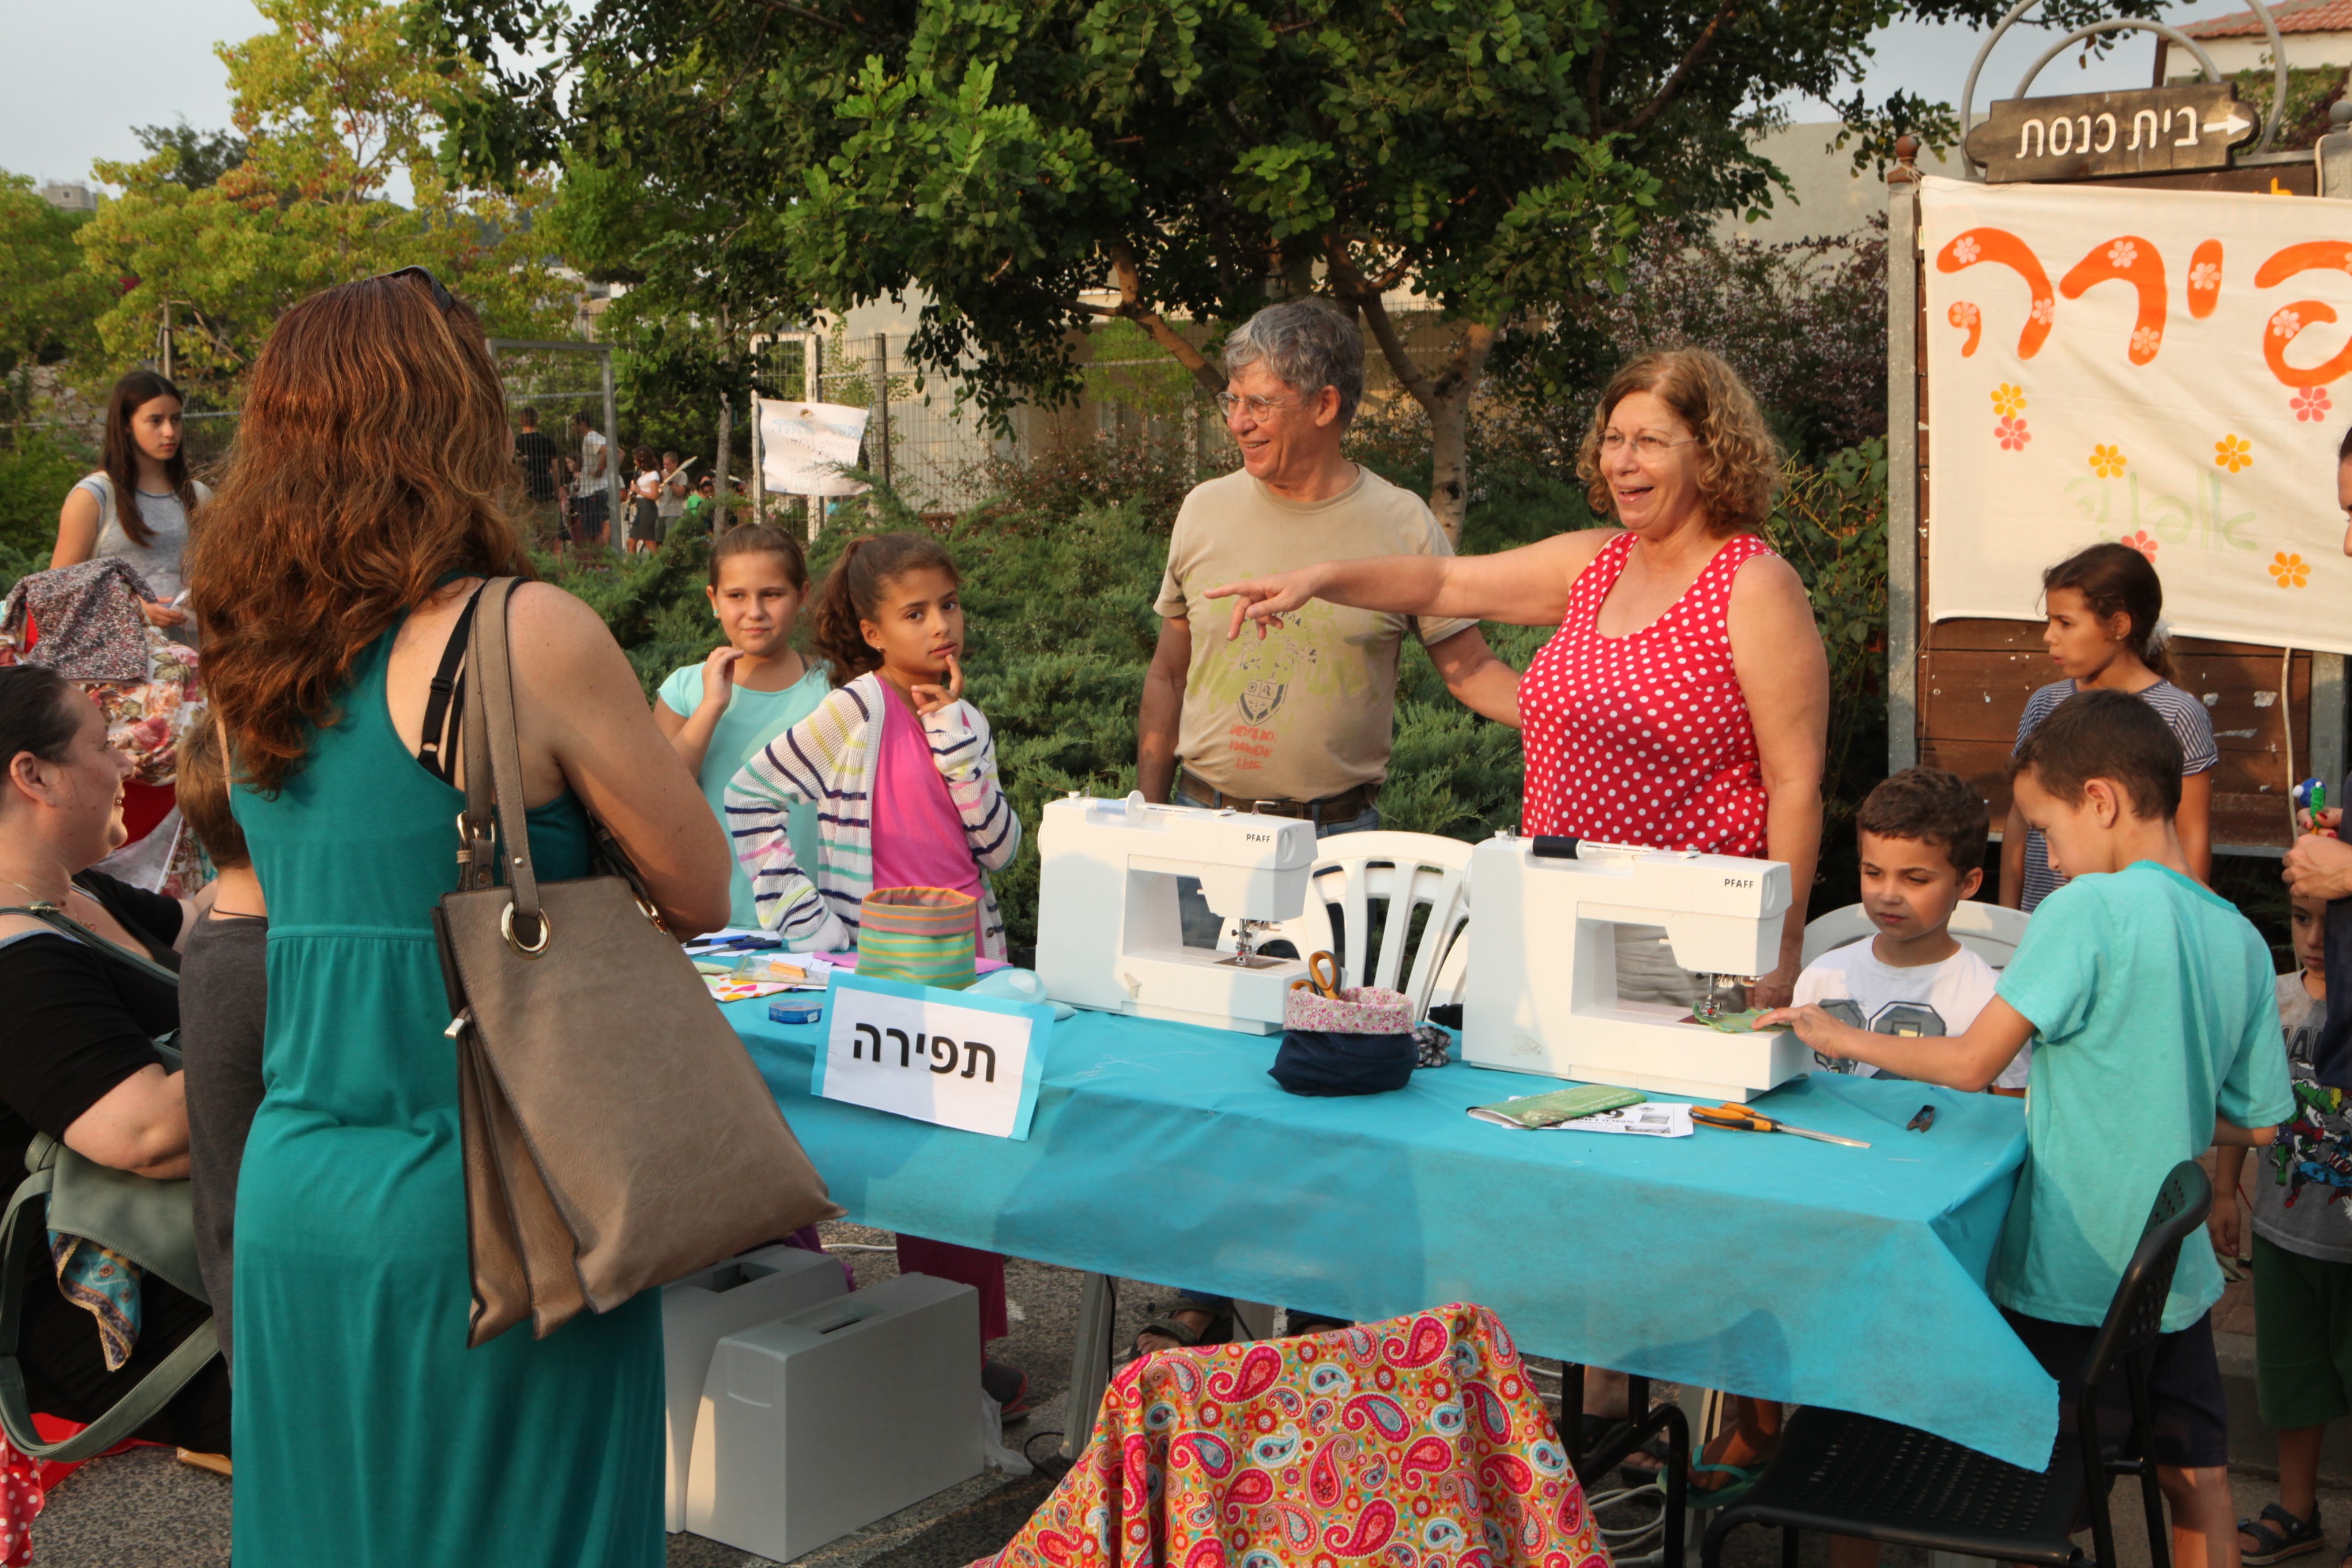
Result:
[[86, 76]]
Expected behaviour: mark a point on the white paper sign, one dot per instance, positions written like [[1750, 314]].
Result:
[[1651, 1119], [804, 446], [972, 1063]]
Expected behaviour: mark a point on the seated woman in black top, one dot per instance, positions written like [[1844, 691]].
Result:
[[77, 1060]]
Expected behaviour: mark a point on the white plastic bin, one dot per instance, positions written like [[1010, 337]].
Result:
[[704, 1308], [822, 1422]]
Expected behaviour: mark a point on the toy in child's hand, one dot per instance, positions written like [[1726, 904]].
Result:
[[2311, 797]]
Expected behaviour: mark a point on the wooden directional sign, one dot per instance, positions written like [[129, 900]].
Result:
[[2098, 135]]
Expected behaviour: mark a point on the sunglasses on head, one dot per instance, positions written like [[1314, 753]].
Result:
[[441, 296]]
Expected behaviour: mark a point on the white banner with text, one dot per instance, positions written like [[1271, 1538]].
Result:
[[2161, 368]]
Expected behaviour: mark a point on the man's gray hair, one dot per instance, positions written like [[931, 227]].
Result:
[[1307, 346]]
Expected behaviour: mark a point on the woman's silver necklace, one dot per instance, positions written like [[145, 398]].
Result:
[[37, 898]]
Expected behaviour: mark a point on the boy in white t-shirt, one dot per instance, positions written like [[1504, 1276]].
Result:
[[1923, 847]]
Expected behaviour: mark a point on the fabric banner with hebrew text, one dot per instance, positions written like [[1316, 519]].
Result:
[[2165, 368]]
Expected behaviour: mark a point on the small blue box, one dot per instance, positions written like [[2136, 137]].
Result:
[[790, 1010]]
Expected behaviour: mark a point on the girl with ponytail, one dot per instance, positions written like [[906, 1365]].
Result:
[[902, 774], [2105, 627]]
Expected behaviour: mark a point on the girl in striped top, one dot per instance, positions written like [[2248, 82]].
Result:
[[2103, 605], [903, 776], [901, 769]]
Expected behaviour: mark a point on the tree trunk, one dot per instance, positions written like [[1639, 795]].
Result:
[[719, 520], [1444, 397]]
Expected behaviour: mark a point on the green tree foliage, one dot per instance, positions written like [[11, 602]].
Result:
[[1033, 168], [49, 301], [336, 111], [199, 158]]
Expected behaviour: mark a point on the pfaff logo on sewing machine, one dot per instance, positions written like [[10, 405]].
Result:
[[1259, 837], [967, 1062], [1739, 882]]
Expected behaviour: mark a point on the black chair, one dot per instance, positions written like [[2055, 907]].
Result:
[[1616, 1445], [1856, 1475]]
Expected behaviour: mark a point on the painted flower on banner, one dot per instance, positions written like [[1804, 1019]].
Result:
[[2142, 542], [2312, 402], [1965, 251], [2108, 462], [2045, 309], [2290, 571], [2122, 253], [2285, 324], [2145, 341], [2008, 399], [2205, 275], [2011, 434], [2233, 452]]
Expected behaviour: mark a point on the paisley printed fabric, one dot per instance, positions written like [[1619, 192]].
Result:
[[1415, 1443]]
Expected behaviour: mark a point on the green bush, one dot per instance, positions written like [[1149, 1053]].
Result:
[[36, 471]]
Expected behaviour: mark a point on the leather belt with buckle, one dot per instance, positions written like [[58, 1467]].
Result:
[[1344, 806]]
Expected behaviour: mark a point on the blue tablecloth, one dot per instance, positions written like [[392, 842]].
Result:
[[1771, 1266]]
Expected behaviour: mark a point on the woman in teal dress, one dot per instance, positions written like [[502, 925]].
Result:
[[368, 500]]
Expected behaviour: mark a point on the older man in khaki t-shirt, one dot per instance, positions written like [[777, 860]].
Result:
[[1299, 721]]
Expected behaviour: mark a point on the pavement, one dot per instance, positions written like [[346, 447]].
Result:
[[145, 1509]]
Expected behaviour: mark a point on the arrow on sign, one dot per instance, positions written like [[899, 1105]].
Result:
[[2233, 125]]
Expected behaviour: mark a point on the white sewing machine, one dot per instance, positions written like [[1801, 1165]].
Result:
[[1109, 934], [1541, 992]]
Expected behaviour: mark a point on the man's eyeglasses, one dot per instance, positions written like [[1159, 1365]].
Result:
[[1645, 446], [1256, 408], [441, 296]]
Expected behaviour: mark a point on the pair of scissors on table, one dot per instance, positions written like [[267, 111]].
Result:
[[1740, 1118], [1318, 966]]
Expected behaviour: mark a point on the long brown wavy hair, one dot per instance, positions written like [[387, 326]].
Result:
[[371, 461], [1739, 462], [132, 393]]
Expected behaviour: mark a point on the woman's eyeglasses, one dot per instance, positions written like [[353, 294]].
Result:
[[441, 296], [1645, 446]]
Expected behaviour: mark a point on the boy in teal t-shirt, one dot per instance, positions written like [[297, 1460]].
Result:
[[2150, 1005]]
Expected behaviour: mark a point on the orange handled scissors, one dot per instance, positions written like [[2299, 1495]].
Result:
[[1739, 1119], [1318, 965]]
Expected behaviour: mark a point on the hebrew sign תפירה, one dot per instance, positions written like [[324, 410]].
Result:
[[972, 1063], [2165, 369]]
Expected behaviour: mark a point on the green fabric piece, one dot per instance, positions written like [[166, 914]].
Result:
[[1740, 1023]]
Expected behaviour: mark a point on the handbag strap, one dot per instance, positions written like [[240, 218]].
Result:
[[50, 915], [22, 1232], [497, 790]]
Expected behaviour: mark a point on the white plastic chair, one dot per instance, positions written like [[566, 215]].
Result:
[[1412, 872], [1989, 930]]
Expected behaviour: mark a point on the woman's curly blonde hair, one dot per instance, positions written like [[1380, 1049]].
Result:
[[1739, 462]]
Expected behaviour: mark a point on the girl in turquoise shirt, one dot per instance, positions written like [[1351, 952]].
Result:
[[753, 688]]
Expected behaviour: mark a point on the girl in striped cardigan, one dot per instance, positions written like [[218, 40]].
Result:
[[901, 768], [904, 778]]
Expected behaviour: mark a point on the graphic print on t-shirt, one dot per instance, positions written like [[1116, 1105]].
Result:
[[1260, 675]]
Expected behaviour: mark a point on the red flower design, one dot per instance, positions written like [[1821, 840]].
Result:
[[2141, 542], [2312, 402], [2011, 434]]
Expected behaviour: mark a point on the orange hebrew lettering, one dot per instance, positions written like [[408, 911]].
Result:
[[2135, 261], [2204, 279], [2003, 248], [2289, 320]]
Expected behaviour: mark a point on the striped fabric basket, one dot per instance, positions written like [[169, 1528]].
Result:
[[921, 936]]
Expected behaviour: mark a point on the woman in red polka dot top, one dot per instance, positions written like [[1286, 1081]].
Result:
[[1684, 702]]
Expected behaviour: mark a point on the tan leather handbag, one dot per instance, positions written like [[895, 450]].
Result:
[[616, 1134]]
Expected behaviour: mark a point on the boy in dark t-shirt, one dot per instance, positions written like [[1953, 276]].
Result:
[[537, 452]]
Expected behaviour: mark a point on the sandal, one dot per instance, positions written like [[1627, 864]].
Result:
[[1741, 1479], [1162, 1321], [2269, 1545]]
